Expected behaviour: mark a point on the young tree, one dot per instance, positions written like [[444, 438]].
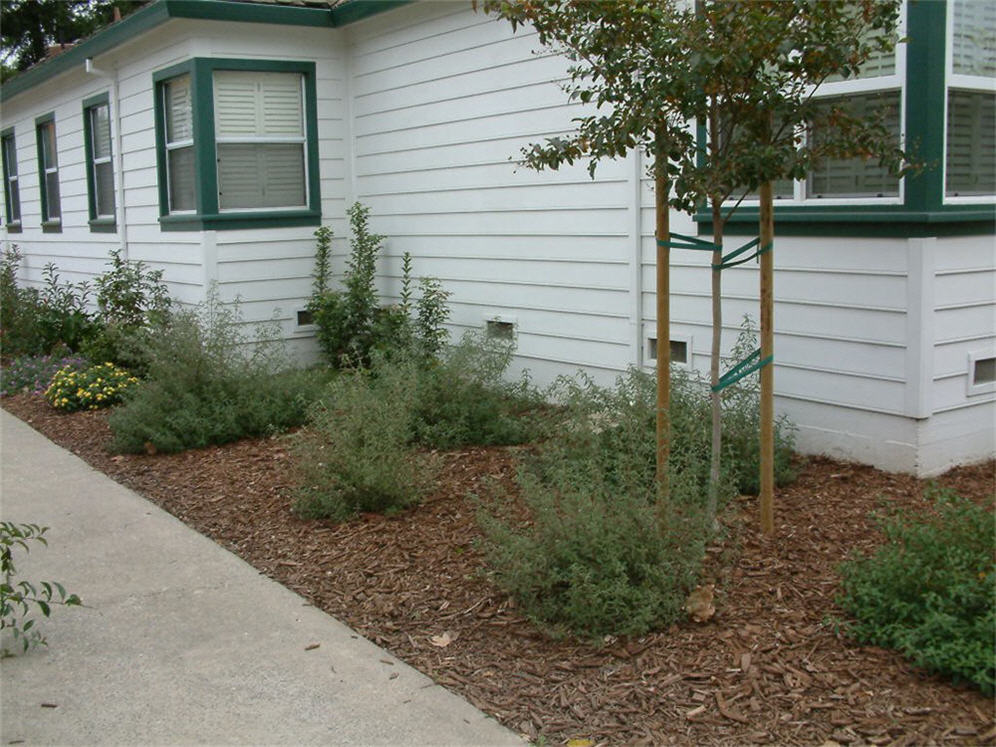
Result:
[[747, 73]]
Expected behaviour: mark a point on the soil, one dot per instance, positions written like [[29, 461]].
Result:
[[765, 669]]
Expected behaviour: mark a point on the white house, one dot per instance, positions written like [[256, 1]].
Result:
[[210, 137]]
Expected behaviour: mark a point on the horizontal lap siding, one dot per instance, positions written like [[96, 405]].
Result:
[[443, 102]]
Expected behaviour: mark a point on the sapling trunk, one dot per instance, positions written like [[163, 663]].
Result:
[[716, 399], [767, 230], [663, 235]]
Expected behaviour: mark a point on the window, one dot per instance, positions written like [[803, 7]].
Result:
[[99, 167], [11, 185], [237, 144], [970, 139], [48, 173]]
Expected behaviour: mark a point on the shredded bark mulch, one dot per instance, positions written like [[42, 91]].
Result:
[[768, 668]]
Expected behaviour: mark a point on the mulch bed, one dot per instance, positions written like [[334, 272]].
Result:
[[766, 669]]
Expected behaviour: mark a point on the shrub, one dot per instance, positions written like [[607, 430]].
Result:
[[351, 325], [356, 455], [208, 383], [463, 398], [131, 301], [89, 388], [593, 556], [929, 591], [17, 598], [33, 373], [36, 321]]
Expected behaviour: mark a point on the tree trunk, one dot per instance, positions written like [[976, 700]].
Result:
[[715, 457], [767, 230], [663, 234]]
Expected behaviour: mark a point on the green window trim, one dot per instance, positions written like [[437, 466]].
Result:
[[11, 197], [206, 215], [48, 224], [922, 211], [98, 223]]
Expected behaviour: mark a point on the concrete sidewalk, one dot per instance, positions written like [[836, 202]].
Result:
[[183, 642]]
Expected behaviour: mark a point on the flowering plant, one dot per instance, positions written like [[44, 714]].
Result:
[[90, 388], [33, 373]]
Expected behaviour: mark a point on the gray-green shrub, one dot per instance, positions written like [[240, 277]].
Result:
[[594, 557], [209, 383], [930, 591], [356, 453]]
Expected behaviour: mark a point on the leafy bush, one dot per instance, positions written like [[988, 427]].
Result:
[[131, 302], [594, 556], [742, 424], [33, 373], [18, 597], [356, 455], [929, 591], [463, 397], [36, 321], [89, 388], [352, 326], [209, 384]]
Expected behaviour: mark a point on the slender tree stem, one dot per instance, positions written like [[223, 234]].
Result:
[[663, 234], [767, 499]]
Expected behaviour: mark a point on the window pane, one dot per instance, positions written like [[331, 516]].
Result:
[[970, 164], [100, 128], [52, 195], [49, 158], [103, 177], [179, 111], [974, 44], [13, 201], [180, 163], [252, 104], [260, 175], [857, 177], [9, 157]]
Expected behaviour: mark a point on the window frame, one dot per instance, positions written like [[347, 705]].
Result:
[[98, 223], [207, 215], [48, 224], [10, 175], [922, 210]]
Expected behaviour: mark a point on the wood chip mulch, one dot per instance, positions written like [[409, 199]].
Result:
[[766, 669]]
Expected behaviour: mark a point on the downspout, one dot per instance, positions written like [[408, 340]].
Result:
[[115, 106]]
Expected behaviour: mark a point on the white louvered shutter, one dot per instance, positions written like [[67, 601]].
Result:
[[973, 48], [259, 127], [970, 163]]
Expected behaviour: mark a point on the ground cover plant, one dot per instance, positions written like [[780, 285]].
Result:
[[210, 382], [930, 591], [33, 373], [17, 596], [89, 387]]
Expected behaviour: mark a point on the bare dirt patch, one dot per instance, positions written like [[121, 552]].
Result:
[[765, 669]]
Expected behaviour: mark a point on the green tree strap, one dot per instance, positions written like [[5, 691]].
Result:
[[688, 242], [726, 262], [747, 366]]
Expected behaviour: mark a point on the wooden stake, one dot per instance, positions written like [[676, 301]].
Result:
[[663, 233], [767, 230]]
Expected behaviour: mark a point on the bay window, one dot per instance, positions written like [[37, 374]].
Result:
[[237, 144]]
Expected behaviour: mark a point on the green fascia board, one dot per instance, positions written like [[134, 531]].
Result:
[[357, 10], [242, 12]]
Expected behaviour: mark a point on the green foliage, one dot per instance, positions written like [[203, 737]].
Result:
[[89, 388], [19, 310], [463, 397], [930, 591], [352, 326], [595, 556], [33, 373], [742, 424], [132, 300], [63, 315], [209, 383], [18, 597], [356, 454]]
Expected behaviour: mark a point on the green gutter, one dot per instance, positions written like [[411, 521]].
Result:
[[147, 18]]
